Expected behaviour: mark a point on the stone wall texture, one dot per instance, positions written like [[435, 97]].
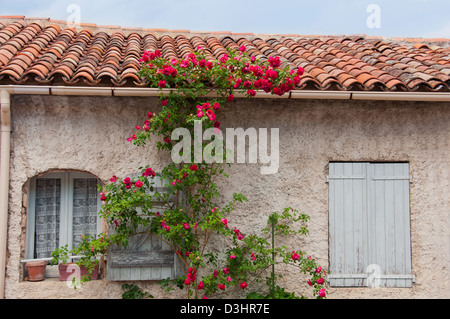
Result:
[[89, 134]]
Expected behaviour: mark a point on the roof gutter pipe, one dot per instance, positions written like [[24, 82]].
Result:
[[5, 104], [295, 94]]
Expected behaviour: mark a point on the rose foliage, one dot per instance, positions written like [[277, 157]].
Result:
[[186, 213]]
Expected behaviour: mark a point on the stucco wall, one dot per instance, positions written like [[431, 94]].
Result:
[[89, 134]]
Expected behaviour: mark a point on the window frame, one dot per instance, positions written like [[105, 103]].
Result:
[[66, 213]]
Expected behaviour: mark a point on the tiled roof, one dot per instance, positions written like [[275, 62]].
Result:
[[48, 52]]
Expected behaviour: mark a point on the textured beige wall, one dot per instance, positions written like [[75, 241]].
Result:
[[88, 134]]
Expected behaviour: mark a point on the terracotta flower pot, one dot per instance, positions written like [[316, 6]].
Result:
[[69, 270], [36, 270]]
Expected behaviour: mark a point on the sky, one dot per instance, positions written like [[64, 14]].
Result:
[[387, 18]]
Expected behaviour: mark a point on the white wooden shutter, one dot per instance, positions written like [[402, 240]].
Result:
[[390, 220], [145, 258], [348, 222], [369, 225]]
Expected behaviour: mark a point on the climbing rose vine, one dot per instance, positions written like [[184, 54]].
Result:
[[188, 213]]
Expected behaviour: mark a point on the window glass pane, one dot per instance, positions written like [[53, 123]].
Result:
[[48, 206], [85, 209]]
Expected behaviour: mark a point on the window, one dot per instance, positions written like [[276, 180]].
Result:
[[62, 207], [369, 225]]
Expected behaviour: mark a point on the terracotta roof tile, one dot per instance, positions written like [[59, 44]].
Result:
[[34, 50], [13, 17]]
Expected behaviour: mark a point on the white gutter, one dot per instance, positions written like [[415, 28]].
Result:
[[4, 183], [295, 94], [7, 90]]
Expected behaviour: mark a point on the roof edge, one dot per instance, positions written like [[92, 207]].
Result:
[[110, 29]]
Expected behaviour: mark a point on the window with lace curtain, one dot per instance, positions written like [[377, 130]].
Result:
[[62, 207]]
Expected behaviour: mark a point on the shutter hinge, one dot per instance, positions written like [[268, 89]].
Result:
[[345, 177], [384, 178]]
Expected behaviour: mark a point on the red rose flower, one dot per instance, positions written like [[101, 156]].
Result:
[[139, 184], [274, 61], [278, 91]]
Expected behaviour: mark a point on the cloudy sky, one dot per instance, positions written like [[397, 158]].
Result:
[[391, 18]]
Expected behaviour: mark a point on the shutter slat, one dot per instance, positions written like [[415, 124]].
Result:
[[338, 222], [360, 220], [332, 223], [379, 235], [399, 227], [348, 226]]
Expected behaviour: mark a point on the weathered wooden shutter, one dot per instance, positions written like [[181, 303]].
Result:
[[146, 257], [390, 220], [348, 222], [369, 224]]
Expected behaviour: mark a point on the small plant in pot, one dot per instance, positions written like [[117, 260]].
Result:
[[84, 268]]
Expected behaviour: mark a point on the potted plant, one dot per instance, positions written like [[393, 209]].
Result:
[[36, 270], [69, 270]]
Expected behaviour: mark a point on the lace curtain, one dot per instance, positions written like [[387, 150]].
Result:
[[48, 206], [84, 208]]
